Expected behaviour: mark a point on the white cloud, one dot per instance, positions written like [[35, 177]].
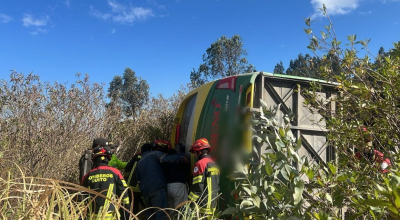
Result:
[[37, 31], [113, 31], [5, 18], [365, 12], [334, 7], [68, 3], [28, 21], [157, 5], [98, 14], [123, 14]]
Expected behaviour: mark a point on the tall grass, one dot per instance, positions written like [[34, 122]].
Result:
[[23, 197]]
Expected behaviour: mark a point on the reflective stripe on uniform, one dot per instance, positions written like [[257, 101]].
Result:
[[135, 188], [213, 171], [109, 215], [125, 201], [209, 211], [197, 179], [209, 186], [133, 169], [192, 196], [124, 183], [109, 194]]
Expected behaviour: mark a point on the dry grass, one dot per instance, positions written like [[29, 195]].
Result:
[[23, 197]]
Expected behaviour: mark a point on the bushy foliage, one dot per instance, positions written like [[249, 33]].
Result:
[[154, 122], [367, 95], [270, 186], [225, 57], [45, 127]]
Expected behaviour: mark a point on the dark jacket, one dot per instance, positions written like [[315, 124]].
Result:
[[130, 172], [177, 172], [109, 181], [205, 185], [149, 171]]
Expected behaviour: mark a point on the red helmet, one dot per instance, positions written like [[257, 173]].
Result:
[[102, 151], [367, 135], [162, 144], [199, 145]]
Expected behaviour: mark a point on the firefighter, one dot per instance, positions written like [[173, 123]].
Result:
[[205, 183], [370, 154], [108, 181], [151, 178], [130, 176]]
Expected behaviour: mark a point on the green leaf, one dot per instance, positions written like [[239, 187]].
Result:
[[332, 168], [264, 208], [268, 167], [372, 213], [342, 177], [259, 139], [229, 211], [376, 202], [310, 174], [254, 189], [247, 190], [279, 145], [338, 201], [278, 196], [246, 203], [298, 193], [236, 176], [263, 103], [328, 197], [284, 174], [298, 146], [256, 201], [281, 132]]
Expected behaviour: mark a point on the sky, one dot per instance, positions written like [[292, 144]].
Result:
[[163, 40]]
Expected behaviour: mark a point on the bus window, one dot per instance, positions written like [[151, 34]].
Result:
[[186, 128]]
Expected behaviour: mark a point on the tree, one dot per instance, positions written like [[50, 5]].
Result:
[[129, 91], [225, 57], [44, 127], [279, 69], [304, 66], [369, 97]]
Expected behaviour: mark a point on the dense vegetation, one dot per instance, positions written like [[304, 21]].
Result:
[[367, 95], [44, 128]]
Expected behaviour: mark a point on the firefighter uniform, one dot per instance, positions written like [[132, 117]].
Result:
[[130, 176], [109, 181], [205, 185]]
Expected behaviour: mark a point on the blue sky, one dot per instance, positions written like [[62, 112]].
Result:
[[163, 40]]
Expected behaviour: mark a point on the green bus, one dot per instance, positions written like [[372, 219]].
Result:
[[217, 111]]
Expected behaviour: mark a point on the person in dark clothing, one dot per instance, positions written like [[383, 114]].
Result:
[[177, 178], [130, 176], [205, 185], [151, 178], [85, 162], [108, 181]]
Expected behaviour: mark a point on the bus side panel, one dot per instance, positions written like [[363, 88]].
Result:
[[222, 123]]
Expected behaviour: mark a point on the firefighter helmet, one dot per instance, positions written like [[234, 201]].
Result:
[[102, 151], [162, 145], [367, 135], [200, 145]]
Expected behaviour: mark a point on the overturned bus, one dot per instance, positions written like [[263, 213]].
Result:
[[215, 111]]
